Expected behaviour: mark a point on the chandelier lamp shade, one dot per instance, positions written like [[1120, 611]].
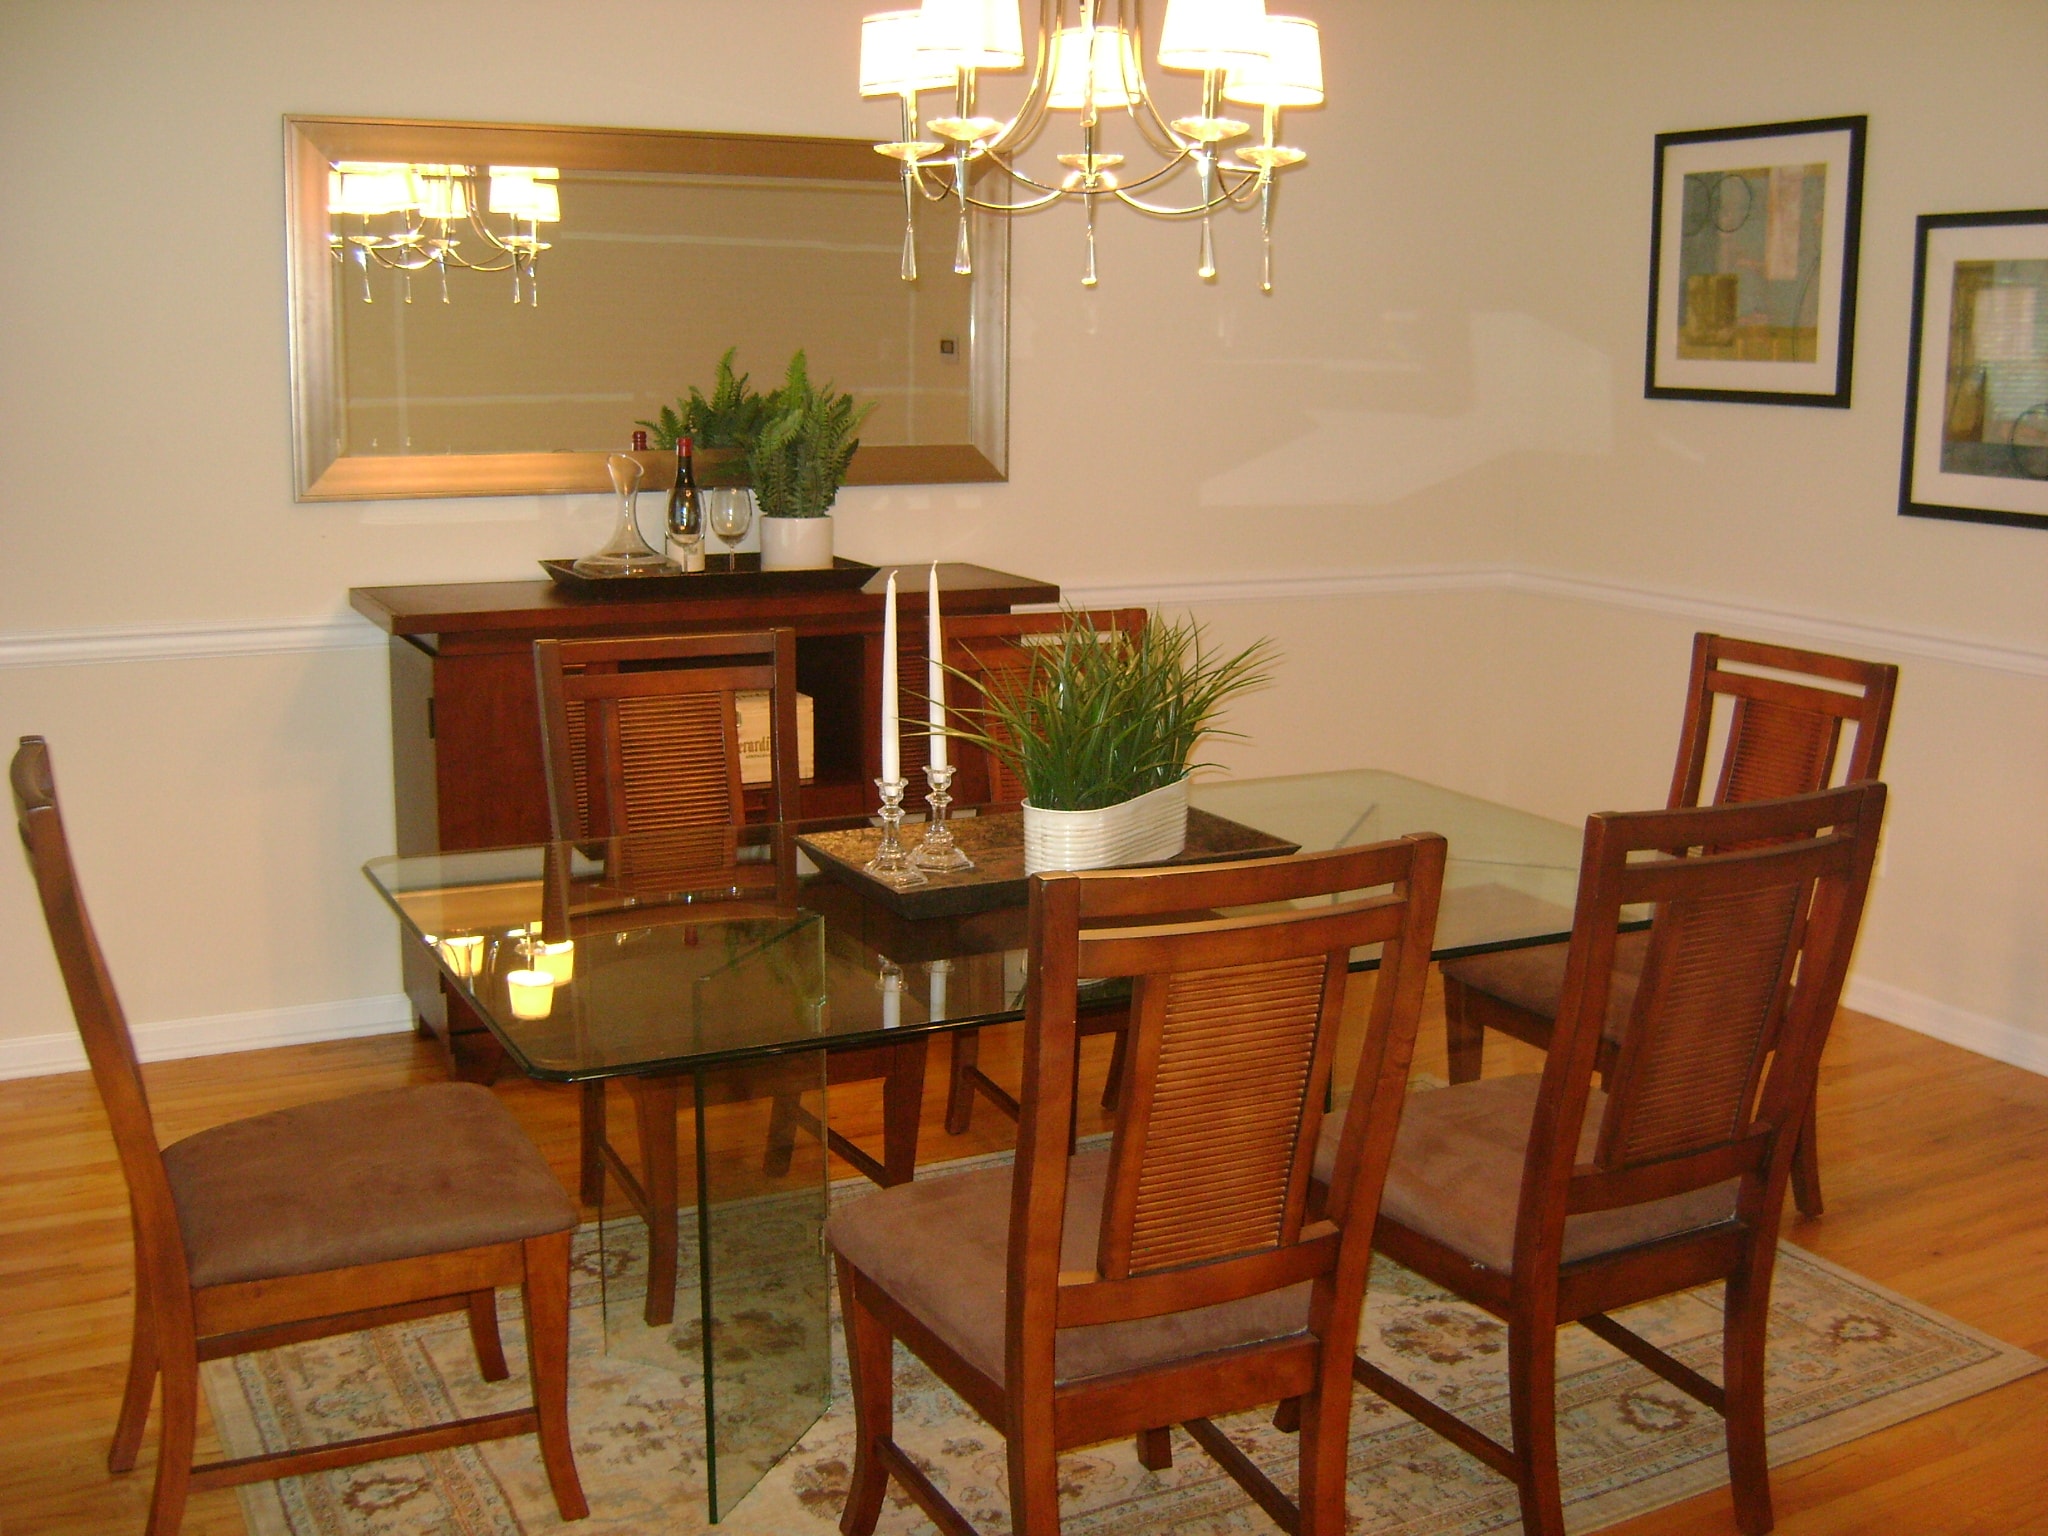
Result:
[[1088, 59], [408, 218]]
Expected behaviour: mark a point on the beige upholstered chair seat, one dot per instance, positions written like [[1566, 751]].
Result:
[[1532, 979], [362, 1180], [1457, 1175], [940, 1248]]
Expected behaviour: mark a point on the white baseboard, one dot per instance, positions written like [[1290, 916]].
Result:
[[40, 1055], [1958, 1026]]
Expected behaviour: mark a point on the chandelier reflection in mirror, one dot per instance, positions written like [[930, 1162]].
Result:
[[1090, 62], [409, 218]]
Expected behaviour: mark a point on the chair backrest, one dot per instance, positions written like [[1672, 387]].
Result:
[[1782, 736], [642, 735], [102, 1026], [1709, 1084], [1234, 1019], [997, 650]]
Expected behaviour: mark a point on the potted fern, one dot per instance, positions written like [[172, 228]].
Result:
[[721, 427], [1103, 732], [797, 462]]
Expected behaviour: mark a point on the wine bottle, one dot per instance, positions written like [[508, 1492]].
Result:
[[685, 514]]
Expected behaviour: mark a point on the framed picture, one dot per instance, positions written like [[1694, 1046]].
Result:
[[1753, 240], [1977, 376]]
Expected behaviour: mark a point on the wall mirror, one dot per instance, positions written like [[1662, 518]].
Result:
[[657, 251]]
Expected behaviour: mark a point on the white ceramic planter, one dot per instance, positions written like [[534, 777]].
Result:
[[796, 543], [1154, 826]]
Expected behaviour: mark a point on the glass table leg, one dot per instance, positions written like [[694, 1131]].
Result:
[[764, 1280]]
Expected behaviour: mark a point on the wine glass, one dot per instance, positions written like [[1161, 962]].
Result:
[[728, 511]]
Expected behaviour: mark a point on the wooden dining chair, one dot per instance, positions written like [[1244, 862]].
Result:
[[640, 738], [1546, 1200], [307, 1222], [1779, 737], [995, 651], [1177, 1274]]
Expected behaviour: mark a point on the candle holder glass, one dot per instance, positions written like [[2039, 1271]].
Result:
[[938, 851], [891, 865]]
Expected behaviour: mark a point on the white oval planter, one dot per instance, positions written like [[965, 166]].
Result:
[[1154, 826], [796, 543]]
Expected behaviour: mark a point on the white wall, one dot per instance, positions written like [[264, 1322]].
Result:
[[1424, 464]]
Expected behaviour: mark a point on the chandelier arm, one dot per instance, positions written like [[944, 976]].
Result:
[[1192, 211], [1020, 130], [1152, 126]]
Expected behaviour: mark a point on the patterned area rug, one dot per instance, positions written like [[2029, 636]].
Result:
[[1847, 1357]]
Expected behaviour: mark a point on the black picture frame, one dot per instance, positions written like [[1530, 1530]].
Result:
[[1976, 431], [1709, 334]]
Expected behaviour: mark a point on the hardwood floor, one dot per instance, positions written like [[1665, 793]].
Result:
[[1936, 1164]]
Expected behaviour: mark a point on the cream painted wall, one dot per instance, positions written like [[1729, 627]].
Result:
[[1430, 443]]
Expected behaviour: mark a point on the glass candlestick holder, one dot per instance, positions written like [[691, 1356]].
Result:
[[938, 851], [891, 865]]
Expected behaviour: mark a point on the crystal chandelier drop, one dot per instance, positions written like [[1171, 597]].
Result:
[[1090, 62], [408, 218]]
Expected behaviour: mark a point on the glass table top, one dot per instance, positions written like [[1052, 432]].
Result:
[[720, 944]]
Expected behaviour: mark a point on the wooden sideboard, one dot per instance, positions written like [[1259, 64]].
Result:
[[465, 721]]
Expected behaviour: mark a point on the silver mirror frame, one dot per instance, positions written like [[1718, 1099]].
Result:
[[312, 142]]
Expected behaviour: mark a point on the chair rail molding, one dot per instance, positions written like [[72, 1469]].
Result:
[[1714, 613], [187, 642], [199, 641]]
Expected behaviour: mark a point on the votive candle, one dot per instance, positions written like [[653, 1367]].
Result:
[[558, 960], [532, 993]]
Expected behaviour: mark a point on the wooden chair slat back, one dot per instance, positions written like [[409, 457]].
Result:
[[1763, 907], [642, 736], [1220, 1105], [1696, 1042], [102, 1025], [1783, 736], [997, 650], [1233, 1026]]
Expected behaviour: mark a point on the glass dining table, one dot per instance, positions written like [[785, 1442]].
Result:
[[716, 965]]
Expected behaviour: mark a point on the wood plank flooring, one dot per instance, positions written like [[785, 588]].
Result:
[[1936, 1163]]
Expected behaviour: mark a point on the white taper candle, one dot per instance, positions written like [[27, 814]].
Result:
[[935, 674], [892, 756]]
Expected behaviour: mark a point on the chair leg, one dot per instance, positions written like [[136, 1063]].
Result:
[[870, 1361], [782, 1124], [591, 1127], [1287, 1415], [483, 1336], [654, 1106], [1324, 1451], [179, 1365], [1155, 1449], [1532, 1412], [1034, 1477], [1744, 1326], [1464, 1040], [902, 1108], [547, 1363], [1806, 1160], [142, 1374], [960, 1084]]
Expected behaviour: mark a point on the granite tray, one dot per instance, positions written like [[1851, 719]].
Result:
[[995, 841]]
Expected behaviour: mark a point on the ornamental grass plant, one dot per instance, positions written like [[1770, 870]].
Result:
[[1101, 718]]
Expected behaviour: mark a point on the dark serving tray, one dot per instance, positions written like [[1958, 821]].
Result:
[[743, 577], [995, 841]]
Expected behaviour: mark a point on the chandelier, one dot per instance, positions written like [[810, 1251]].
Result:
[[409, 218], [1090, 62]]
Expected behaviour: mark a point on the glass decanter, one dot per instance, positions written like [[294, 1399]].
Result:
[[625, 553]]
